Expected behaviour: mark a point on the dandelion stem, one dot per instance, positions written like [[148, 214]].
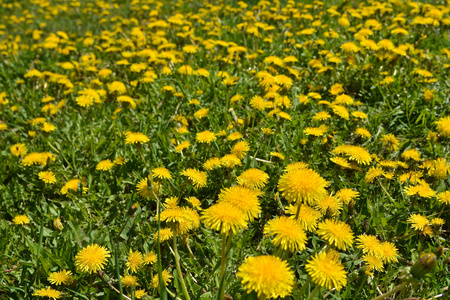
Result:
[[393, 291], [314, 292], [303, 289], [180, 275]]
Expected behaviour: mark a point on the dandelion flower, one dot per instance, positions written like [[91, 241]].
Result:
[[150, 258], [166, 278], [135, 261], [47, 177], [201, 113], [307, 216], [205, 137], [165, 234], [92, 258], [347, 195], [373, 262], [84, 100], [224, 217], [356, 153], [388, 252], [268, 276], [183, 145], [230, 161], [19, 149], [390, 142], [161, 173], [105, 165], [411, 154], [443, 126], [61, 277], [140, 294], [363, 132], [369, 244], [21, 220], [337, 233], [198, 178], [48, 292], [326, 270], [418, 222], [253, 178], [373, 173], [212, 163], [242, 198], [302, 185], [288, 233], [343, 162], [129, 280], [147, 188], [240, 149], [321, 116], [329, 204], [444, 197], [135, 138]]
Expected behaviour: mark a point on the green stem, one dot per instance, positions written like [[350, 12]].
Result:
[[226, 245], [314, 292], [393, 291], [180, 275], [303, 289], [361, 284]]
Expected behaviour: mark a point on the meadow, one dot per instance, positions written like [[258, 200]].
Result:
[[224, 149]]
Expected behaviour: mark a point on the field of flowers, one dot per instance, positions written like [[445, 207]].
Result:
[[224, 149]]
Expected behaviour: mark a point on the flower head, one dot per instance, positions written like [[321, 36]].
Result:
[[369, 244], [147, 188], [92, 258], [418, 221], [166, 278], [242, 198], [267, 275], [135, 138], [205, 137], [48, 292], [197, 178], [224, 217], [337, 233], [47, 177], [253, 179], [161, 173], [19, 149], [443, 126], [326, 270], [302, 185], [104, 165], [61, 277], [287, 232], [135, 261], [21, 220]]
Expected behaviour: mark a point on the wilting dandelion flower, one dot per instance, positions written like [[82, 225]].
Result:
[[302, 185], [337, 233], [288, 233], [61, 277], [268, 276], [92, 258], [326, 270]]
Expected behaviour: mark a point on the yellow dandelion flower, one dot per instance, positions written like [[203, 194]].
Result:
[[321, 116], [135, 138], [288, 233], [444, 197], [302, 185], [129, 280], [224, 217], [268, 276], [194, 202], [258, 103], [165, 234], [205, 137], [411, 154], [84, 101], [390, 142], [161, 173], [61, 277], [150, 258], [443, 126], [21, 220], [337, 233], [388, 252], [326, 270], [329, 204], [135, 261], [316, 131], [147, 188], [73, 186], [357, 153], [242, 198], [212, 163], [201, 113], [117, 87], [373, 262], [307, 216], [253, 179], [240, 149], [418, 222], [139, 294], [369, 244], [105, 165], [439, 168], [19, 149], [347, 195], [92, 258], [230, 161], [48, 292], [373, 173], [183, 145], [167, 277], [198, 178]]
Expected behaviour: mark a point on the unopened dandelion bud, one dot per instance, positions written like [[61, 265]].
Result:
[[423, 265], [57, 224]]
